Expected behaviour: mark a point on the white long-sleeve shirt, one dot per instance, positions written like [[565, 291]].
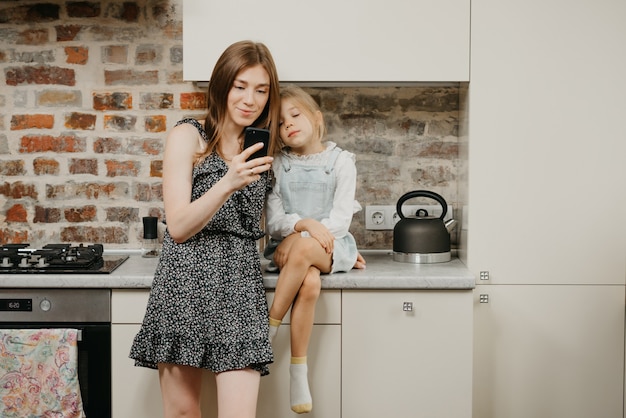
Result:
[[281, 224]]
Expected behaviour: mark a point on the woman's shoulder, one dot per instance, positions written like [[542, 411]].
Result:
[[188, 122]]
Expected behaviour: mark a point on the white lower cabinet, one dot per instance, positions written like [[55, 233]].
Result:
[[136, 392], [398, 362], [368, 358], [324, 363], [549, 351]]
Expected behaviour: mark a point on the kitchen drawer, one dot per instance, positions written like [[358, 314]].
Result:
[[128, 306]]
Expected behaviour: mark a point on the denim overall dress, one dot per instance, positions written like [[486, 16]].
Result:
[[308, 190]]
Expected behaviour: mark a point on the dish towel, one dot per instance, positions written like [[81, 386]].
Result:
[[39, 373]]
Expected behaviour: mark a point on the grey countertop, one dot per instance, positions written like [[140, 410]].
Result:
[[382, 272]]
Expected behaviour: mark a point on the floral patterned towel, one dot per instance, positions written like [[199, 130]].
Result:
[[38, 374]]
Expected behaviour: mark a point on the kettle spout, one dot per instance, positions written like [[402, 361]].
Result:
[[450, 224]]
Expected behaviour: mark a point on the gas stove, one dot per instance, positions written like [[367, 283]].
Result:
[[57, 259]]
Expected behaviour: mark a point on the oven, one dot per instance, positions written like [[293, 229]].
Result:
[[89, 311]]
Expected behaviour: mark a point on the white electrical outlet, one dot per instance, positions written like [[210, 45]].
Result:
[[375, 217], [385, 217]]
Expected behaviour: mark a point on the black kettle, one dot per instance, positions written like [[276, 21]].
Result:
[[423, 239]]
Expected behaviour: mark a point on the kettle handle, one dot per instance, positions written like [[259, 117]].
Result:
[[422, 193]]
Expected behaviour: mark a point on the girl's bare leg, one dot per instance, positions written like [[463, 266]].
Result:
[[304, 253], [303, 313], [302, 317]]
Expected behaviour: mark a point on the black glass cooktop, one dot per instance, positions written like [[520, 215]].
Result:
[[57, 259]]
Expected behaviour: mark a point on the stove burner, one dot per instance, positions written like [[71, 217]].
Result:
[[57, 258]]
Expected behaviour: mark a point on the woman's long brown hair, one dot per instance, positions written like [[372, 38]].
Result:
[[237, 57]]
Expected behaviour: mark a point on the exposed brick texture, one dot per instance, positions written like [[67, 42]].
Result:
[[115, 54], [20, 14], [130, 77], [18, 190], [119, 122], [16, 76], [77, 55], [83, 166], [56, 98], [47, 215], [122, 214], [112, 101], [12, 168], [157, 101], [122, 168], [33, 37], [32, 122], [16, 213], [43, 166], [80, 121], [193, 101], [14, 236], [107, 146], [83, 9], [155, 123], [148, 54], [83, 214], [67, 32], [43, 143], [89, 90]]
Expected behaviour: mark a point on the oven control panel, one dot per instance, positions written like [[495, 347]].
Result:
[[55, 305], [16, 305]]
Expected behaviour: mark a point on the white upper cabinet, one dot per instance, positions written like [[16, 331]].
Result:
[[547, 178], [335, 41]]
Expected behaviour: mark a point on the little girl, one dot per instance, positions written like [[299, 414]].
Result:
[[308, 215]]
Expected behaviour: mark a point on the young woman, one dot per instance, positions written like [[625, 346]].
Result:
[[207, 306], [308, 216]]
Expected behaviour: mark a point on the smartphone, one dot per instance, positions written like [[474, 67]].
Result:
[[253, 136]]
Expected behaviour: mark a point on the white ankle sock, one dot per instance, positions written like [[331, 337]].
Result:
[[301, 401], [274, 324]]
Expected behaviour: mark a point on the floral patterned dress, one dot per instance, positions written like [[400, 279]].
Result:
[[207, 305]]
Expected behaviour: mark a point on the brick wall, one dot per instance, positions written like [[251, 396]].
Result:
[[90, 89]]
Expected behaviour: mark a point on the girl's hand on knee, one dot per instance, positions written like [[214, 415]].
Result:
[[318, 231], [282, 251]]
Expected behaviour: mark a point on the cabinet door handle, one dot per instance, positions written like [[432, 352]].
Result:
[[407, 306]]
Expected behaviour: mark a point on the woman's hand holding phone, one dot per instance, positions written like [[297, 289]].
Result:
[[244, 170]]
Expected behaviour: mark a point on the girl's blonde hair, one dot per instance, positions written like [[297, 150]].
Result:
[[236, 58], [306, 104]]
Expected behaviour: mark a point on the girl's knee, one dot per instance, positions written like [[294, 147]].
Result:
[[303, 250], [305, 245], [311, 286]]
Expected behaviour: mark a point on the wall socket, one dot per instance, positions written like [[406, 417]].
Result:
[[385, 217]]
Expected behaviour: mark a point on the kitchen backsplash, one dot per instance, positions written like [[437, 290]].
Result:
[[90, 89]]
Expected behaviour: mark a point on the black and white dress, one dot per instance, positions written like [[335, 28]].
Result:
[[207, 305]]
